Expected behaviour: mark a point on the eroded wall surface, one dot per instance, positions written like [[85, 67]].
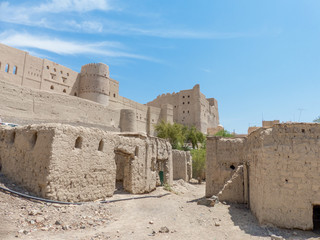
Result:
[[284, 174], [68, 163], [182, 165], [25, 156], [224, 155], [281, 180]]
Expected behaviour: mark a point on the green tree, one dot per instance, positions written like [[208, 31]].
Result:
[[224, 133], [317, 120], [198, 163], [172, 132], [179, 135]]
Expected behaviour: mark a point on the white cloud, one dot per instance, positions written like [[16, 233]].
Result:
[[63, 47], [56, 6], [85, 26]]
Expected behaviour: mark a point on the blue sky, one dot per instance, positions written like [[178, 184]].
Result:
[[259, 59]]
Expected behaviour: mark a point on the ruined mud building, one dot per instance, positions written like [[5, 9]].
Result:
[[35, 90], [72, 163], [275, 170]]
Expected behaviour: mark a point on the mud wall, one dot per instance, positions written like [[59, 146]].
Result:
[[182, 165], [224, 155], [284, 174], [68, 163], [25, 156]]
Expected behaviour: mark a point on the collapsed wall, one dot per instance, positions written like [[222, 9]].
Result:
[[182, 165], [280, 173], [224, 155], [67, 163]]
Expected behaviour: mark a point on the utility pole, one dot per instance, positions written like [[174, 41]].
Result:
[[300, 111]]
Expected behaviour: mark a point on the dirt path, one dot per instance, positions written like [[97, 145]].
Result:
[[178, 214]]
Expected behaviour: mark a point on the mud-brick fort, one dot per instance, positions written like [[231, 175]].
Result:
[[35, 90]]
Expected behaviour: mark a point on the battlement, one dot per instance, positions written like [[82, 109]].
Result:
[[95, 69]]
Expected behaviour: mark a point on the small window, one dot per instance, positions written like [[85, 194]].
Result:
[[188, 111], [47, 67], [13, 137], [7, 68], [67, 74], [182, 96], [53, 76], [183, 111], [61, 72], [54, 69], [114, 95], [101, 145], [52, 87], [64, 90], [78, 143], [188, 96], [75, 94], [15, 69], [188, 102], [183, 103]]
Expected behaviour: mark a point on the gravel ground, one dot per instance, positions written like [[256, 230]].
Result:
[[173, 216]]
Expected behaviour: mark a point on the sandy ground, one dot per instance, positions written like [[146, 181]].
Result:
[[173, 216]]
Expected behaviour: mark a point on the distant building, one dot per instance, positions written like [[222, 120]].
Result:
[[38, 90]]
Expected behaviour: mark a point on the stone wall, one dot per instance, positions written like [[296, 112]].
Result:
[[182, 165], [67, 163]]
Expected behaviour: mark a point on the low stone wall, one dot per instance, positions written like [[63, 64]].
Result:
[[67, 163], [182, 165]]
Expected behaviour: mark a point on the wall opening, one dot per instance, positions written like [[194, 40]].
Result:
[[78, 143], [7, 68], [52, 87], [123, 181], [15, 69], [114, 95], [316, 217], [75, 94], [232, 167], [34, 139], [101, 145], [64, 90], [13, 137]]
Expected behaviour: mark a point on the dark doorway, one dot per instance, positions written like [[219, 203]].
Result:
[[316, 217]]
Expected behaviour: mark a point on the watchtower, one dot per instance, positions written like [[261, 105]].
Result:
[[95, 83]]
